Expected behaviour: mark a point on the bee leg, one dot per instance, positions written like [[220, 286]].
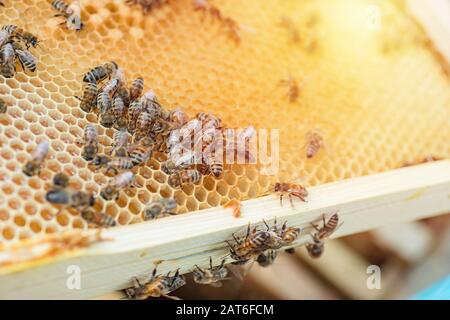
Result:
[[315, 227], [210, 263], [222, 264], [267, 226], [78, 98], [199, 269], [153, 274], [235, 239], [290, 200]]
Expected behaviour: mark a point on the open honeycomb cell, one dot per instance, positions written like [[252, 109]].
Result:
[[380, 97]]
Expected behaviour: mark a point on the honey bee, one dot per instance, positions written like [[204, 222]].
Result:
[[135, 109], [33, 166], [178, 118], [141, 153], [113, 164], [6, 33], [120, 142], [89, 99], [70, 199], [289, 235], [71, 15], [292, 190], [151, 104], [146, 5], [215, 165], [143, 124], [293, 88], [90, 142], [316, 248], [212, 276], [104, 103], [100, 73], [111, 86], [107, 119], [158, 286], [215, 13], [97, 218], [3, 106], [314, 142], [112, 189], [250, 247], [138, 155], [7, 56], [208, 120], [119, 112], [60, 180], [180, 163], [267, 258], [178, 179], [27, 60], [290, 26], [159, 208], [123, 93], [136, 89]]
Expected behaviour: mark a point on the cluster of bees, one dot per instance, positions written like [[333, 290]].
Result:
[[14, 45], [142, 125]]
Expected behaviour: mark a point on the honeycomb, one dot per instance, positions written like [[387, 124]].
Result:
[[378, 95]]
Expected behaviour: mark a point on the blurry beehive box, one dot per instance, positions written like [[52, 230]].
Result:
[[376, 92]]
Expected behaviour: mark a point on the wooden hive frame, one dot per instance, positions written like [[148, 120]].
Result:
[[364, 203]]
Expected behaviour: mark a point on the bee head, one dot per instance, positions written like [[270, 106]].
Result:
[[91, 200], [171, 204], [152, 211], [87, 214], [29, 169], [61, 180], [89, 152], [277, 187]]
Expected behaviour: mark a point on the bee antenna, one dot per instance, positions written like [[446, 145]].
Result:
[[265, 223], [199, 269]]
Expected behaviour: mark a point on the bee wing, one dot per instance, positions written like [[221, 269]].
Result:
[[236, 271]]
